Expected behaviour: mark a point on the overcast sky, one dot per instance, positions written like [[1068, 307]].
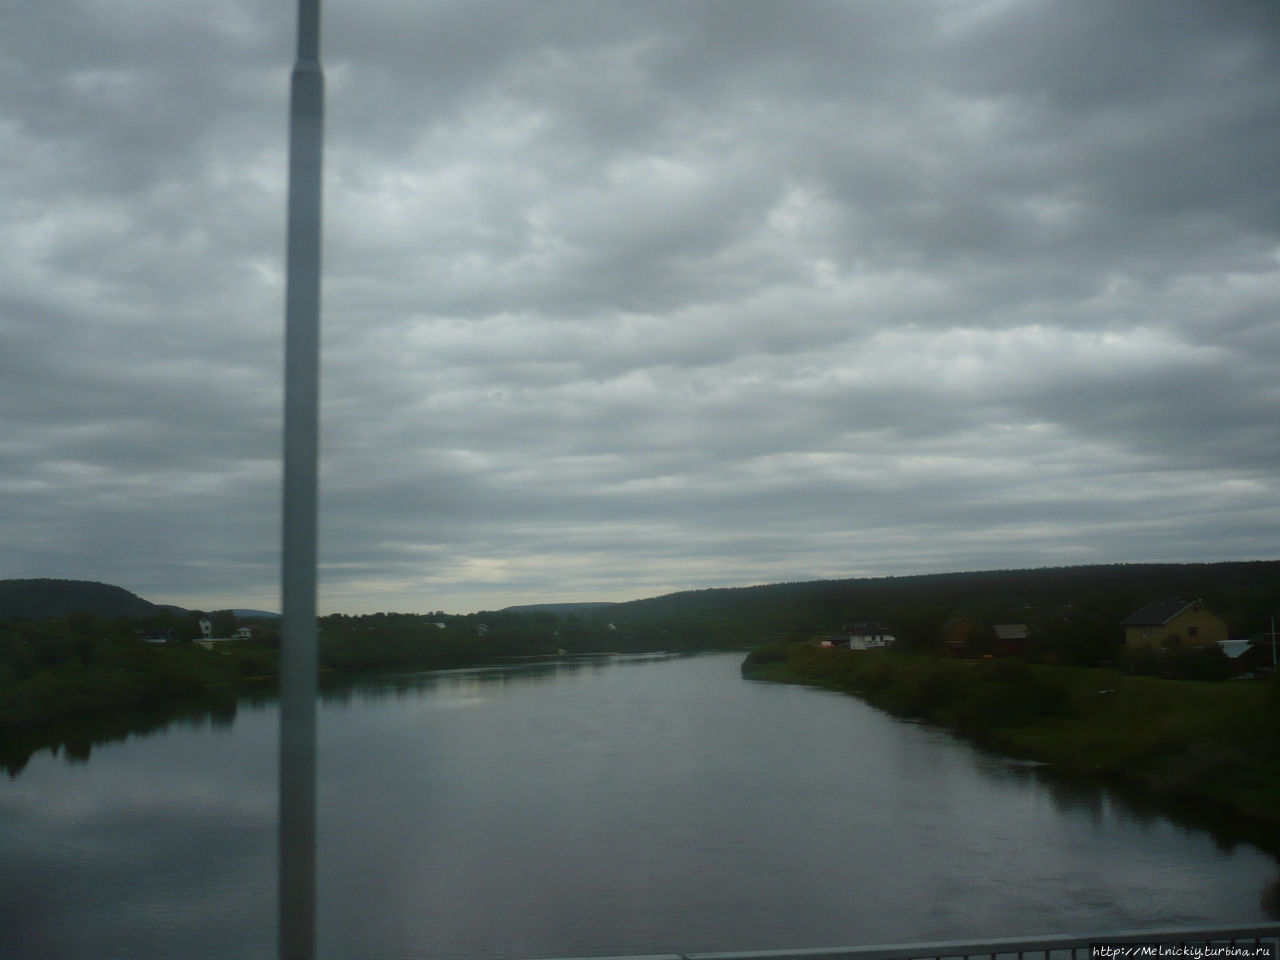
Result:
[[627, 298]]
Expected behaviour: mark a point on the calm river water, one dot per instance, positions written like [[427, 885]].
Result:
[[626, 806]]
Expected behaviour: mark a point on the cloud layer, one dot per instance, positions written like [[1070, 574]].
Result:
[[627, 298]]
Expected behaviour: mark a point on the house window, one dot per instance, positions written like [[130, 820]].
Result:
[[1193, 632]]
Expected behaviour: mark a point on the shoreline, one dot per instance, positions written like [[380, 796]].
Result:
[[1207, 752]]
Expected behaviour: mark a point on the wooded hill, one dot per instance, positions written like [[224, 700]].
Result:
[[1077, 607], [1076, 610], [71, 646], [43, 598]]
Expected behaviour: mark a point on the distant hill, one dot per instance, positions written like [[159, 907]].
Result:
[[559, 609], [246, 613], [38, 599], [1242, 592]]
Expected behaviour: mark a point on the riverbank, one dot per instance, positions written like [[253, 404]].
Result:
[[145, 678], [1213, 744]]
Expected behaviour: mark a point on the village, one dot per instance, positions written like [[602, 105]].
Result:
[[1162, 629]]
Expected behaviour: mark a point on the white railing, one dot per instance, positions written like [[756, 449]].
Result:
[[1180, 943]]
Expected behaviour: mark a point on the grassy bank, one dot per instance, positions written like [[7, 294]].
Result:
[[1214, 744]]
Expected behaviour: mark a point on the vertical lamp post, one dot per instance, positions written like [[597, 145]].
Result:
[[297, 821]]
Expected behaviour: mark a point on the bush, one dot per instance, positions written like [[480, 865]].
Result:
[[928, 690], [1139, 662], [1005, 671], [1177, 661], [1010, 698], [1205, 663], [879, 673], [770, 653]]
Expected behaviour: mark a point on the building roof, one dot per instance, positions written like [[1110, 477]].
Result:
[[1234, 648], [1158, 613], [862, 628]]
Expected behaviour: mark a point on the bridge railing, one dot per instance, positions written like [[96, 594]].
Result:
[[1179, 943]]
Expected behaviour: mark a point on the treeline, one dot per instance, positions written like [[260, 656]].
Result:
[[68, 663], [1073, 613], [975, 698], [438, 640], [61, 666], [429, 641]]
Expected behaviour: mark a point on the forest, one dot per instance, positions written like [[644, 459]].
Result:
[[68, 647]]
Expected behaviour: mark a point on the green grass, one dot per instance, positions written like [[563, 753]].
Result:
[[1215, 744]]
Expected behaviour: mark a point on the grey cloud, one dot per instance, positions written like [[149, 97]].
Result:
[[626, 298]]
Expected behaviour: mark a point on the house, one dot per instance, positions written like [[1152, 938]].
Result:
[[1164, 622], [242, 633], [955, 636], [207, 639], [867, 635], [1011, 638]]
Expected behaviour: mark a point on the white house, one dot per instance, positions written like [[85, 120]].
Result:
[[866, 635], [207, 639]]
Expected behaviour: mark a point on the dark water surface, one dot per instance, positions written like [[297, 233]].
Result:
[[619, 807]]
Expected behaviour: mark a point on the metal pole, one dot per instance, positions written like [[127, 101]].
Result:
[[298, 661]]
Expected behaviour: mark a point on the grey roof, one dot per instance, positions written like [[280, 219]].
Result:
[[1010, 631], [1157, 614], [862, 628]]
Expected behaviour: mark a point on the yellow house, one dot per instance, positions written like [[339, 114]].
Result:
[[1187, 621]]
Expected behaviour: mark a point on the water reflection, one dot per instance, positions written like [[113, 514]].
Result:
[[609, 806], [343, 689], [1105, 803], [75, 737]]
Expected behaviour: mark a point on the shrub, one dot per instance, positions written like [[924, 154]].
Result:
[[1008, 694], [770, 653], [925, 690], [1178, 662], [1205, 663], [1139, 662]]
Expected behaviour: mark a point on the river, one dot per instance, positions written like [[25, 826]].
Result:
[[626, 806]]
